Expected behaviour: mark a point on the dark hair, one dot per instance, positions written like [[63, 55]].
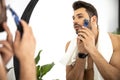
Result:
[[89, 8]]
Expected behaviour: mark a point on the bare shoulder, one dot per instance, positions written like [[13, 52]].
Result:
[[67, 45], [115, 38]]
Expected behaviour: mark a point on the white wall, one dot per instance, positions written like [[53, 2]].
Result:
[[53, 27]]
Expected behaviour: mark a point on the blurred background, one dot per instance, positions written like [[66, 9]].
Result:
[[52, 26]]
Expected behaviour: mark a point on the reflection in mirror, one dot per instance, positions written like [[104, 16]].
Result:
[[52, 26]]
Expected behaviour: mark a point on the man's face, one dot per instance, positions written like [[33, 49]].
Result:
[[3, 16], [78, 18]]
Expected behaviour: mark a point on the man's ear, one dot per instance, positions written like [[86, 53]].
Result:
[[94, 19], [3, 17]]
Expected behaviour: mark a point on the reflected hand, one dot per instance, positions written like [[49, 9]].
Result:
[[6, 50]]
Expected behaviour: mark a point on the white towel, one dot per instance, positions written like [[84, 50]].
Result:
[[104, 46], [70, 55]]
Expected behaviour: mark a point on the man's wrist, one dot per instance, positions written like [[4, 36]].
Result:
[[82, 55]]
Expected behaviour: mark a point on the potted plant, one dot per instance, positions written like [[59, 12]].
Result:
[[42, 69]]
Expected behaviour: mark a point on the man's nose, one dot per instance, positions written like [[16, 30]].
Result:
[[74, 21]]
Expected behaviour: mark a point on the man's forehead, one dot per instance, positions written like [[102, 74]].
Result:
[[80, 11]]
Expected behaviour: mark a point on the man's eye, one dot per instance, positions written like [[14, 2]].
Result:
[[80, 17]]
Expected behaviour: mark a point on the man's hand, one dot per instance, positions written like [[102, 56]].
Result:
[[6, 50], [24, 47], [85, 40]]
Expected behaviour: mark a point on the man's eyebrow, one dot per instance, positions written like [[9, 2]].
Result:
[[79, 14]]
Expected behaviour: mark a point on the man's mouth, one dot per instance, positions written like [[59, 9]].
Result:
[[77, 31], [77, 27]]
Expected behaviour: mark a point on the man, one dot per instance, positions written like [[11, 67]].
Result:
[[20, 47], [91, 60]]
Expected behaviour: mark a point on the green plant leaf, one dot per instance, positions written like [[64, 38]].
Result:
[[38, 71], [46, 68], [42, 70], [37, 58]]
